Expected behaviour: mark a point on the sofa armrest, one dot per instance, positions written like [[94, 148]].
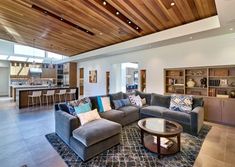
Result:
[[197, 118], [64, 124]]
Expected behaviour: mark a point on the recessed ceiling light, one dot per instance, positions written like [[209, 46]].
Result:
[[137, 28], [104, 3], [117, 13], [190, 37], [172, 3], [129, 22], [61, 19], [101, 33], [231, 29]]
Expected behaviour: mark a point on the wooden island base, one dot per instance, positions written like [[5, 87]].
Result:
[[22, 95]]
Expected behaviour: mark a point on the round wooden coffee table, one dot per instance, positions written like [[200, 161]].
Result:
[[154, 130]]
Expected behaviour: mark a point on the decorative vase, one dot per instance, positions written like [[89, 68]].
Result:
[[190, 83]]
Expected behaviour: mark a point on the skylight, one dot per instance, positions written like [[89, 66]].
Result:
[[54, 56], [35, 60], [17, 58], [3, 57], [26, 50]]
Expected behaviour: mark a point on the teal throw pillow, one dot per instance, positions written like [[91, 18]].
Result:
[[82, 108]]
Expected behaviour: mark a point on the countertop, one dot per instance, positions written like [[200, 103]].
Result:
[[28, 86], [45, 88]]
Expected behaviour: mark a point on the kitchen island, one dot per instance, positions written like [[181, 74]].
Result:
[[22, 94], [13, 89]]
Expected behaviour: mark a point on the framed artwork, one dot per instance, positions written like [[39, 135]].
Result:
[[93, 76]]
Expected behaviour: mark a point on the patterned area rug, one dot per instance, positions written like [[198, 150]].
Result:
[[131, 153]]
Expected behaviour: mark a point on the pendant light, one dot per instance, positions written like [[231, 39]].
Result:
[[34, 63]]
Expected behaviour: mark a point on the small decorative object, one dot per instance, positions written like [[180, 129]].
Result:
[[93, 76], [171, 89], [232, 94], [171, 81], [223, 82], [203, 82], [190, 83]]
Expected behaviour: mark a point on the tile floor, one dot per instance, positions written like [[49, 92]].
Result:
[[23, 142]]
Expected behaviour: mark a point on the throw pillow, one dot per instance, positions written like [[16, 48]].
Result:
[[132, 99], [88, 116], [82, 108], [67, 108], [120, 103], [144, 101], [103, 103], [181, 103], [138, 101]]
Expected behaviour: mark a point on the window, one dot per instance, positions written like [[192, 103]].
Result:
[[3, 57], [35, 60], [26, 50], [55, 56], [17, 58]]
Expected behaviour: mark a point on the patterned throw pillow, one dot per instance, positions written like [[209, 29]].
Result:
[[104, 103], [88, 116], [132, 99], [181, 103], [120, 103], [136, 100]]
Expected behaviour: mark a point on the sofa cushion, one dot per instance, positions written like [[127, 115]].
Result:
[[129, 109], [147, 96], [153, 110], [180, 117], [96, 131], [160, 100], [113, 115], [198, 102], [94, 103]]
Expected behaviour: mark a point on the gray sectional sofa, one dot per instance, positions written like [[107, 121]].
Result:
[[99, 135]]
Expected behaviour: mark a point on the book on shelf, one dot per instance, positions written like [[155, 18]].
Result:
[[165, 143]]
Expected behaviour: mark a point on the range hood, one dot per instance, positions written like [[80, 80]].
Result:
[[35, 71]]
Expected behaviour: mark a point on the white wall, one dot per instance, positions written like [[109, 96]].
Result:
[[4, 78], [218, 50]]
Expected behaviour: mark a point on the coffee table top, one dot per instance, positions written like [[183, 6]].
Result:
[[159, 126]]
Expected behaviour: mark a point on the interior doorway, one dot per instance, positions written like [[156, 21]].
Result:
[[130, 77], [81, 81]]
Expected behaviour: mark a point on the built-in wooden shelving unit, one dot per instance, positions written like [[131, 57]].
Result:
[[216, 84]]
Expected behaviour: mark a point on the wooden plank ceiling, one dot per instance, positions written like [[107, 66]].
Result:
[[52, 23]]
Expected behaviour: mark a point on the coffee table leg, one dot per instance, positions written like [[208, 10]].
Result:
[[178, 142], [158, 147]]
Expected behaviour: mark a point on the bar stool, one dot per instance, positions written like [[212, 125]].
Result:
[[35, 95], [50, 95], [61, 93], [72, 94]]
